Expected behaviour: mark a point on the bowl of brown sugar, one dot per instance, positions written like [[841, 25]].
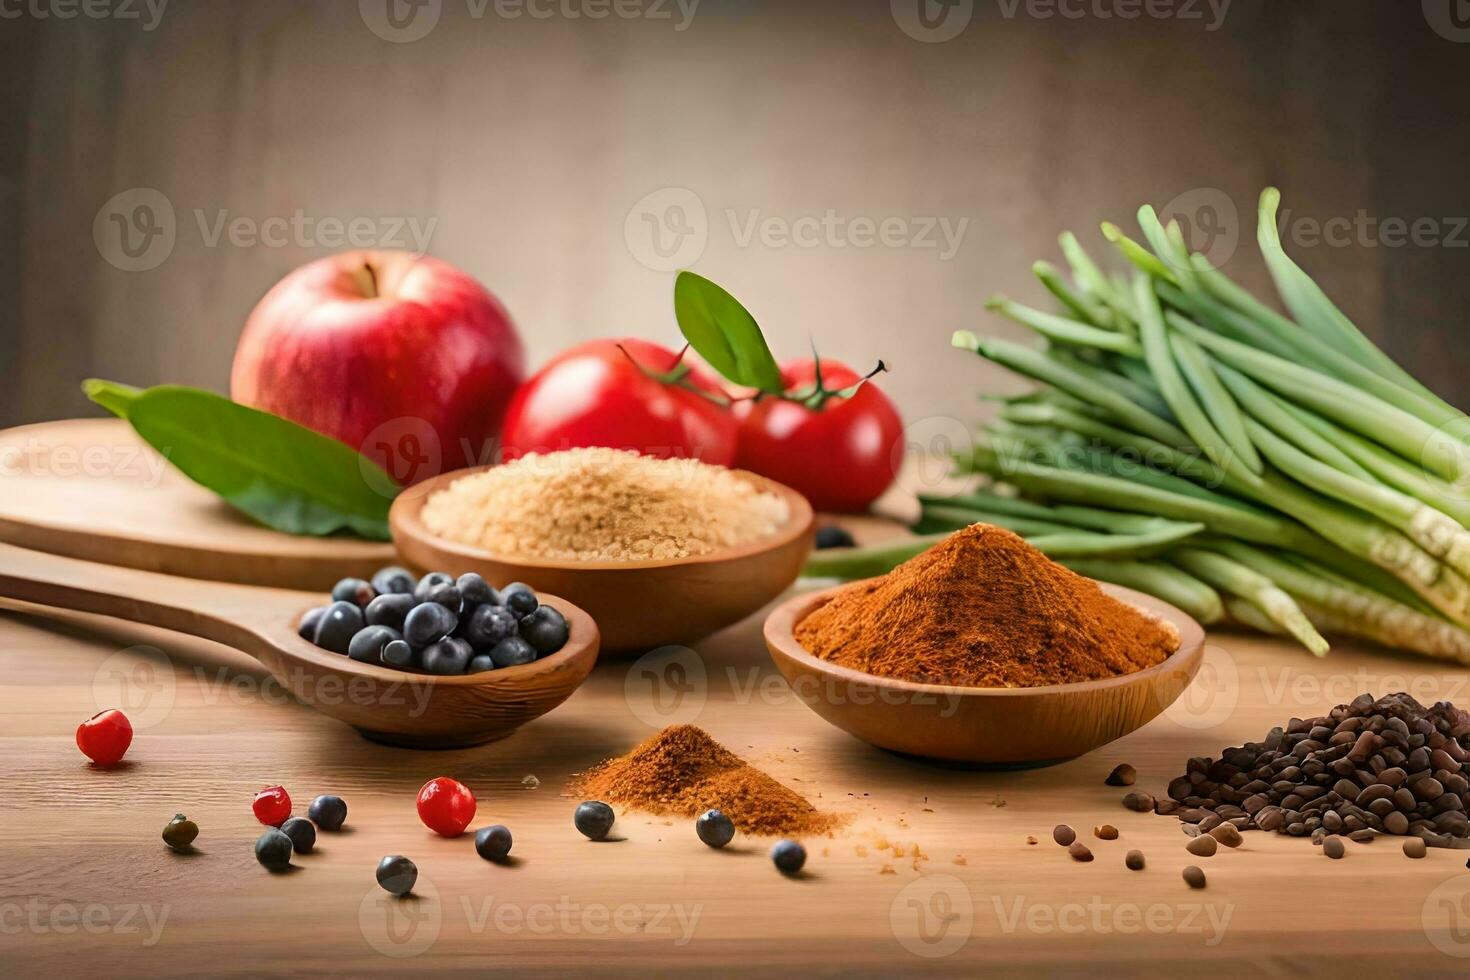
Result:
[[983, 650], [658, 551]]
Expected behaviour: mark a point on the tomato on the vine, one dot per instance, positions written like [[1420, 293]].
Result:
[[627, 394], [840, 454]]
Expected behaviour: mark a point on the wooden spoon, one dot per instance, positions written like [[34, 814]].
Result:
[[395, 706], [1020, 726]]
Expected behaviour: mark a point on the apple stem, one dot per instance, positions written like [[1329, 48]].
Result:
[[371, 285]]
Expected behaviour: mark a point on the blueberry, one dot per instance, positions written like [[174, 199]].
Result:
[[302, 834], [389, 610], [367, 646], [273, 850], [594, 819], [429, 581], [832, 536], [789, 856], [519, 598], [480, 663], [545, 629], [337, 626], [448, 656], [398, 653], [477, 591], [488, 625], [493, 843], [512, 652], [447, 596], [328, 812], [397, 874], [307, 629], [393, 581], [714, 828], [353, 590], [427, 623]]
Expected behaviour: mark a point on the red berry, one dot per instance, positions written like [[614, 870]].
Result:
[[105, 736], [272, 806], [446, 806]]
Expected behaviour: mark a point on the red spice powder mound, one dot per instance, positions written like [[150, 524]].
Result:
[[683, 771], [984, 609]]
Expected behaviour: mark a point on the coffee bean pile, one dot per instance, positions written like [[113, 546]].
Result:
[[1366, 768]]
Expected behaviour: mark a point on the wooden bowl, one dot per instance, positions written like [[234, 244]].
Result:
[[1025, 726], [639, 604]]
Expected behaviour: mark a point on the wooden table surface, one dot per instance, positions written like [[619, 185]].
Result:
[[89, 886]]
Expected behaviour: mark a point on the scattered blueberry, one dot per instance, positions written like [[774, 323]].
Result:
[[488, 625], [789, 856], [302, 834], [307, 629], [328, 812], [519, 598], [337, 626], [545, 629], [427, 623], [367, 645], [512, 652], [450, 655], [476, 591], [493, 843], [397, 874], [389, 610], [429, 581], [594, 819], [393, 580], [714, 828], [832, 536], [353, 590], [480, 663], [273, 850], [398, 654]]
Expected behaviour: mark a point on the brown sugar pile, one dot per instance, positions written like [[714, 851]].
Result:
[[683, 771], [984, 609]]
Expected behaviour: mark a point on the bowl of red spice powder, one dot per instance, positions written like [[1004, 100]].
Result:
[[983, 650]]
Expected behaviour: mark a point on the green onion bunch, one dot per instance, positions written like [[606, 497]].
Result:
[[1187, 440]]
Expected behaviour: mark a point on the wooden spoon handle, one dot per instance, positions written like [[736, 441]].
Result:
[[230, 614]]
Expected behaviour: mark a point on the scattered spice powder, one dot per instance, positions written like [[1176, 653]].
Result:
[[682, 770], [604, 505], [984, 609]]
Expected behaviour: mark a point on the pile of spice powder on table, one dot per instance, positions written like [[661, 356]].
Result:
[[984, 609], [683, 771], [604, 505]]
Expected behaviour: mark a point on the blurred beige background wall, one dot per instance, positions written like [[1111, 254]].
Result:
[[851, 170]]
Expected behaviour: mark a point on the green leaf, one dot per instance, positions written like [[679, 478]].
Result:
[[282, 474], [724, 333]]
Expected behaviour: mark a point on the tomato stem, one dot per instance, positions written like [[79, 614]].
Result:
[[678, 377]]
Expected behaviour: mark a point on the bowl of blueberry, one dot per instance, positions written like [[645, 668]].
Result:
[[457, 638]]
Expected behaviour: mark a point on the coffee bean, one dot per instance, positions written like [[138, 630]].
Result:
[[1414, 848], [1139, 802], [1063, 834], [1122, 775], [1133, 860], [1227, 834], [1361, 836], [1334, 848], [1194, 877], [1202, 846], [1079, 851], [1396, 823], [1105, 832]]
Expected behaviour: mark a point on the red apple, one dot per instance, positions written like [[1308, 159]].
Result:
[[405, 358]]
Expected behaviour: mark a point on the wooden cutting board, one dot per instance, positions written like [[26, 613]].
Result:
[[90, 488]]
